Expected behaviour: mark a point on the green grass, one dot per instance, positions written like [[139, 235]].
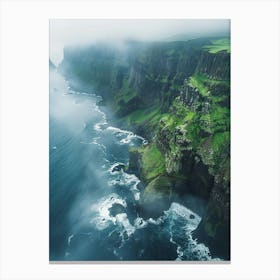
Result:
[[218, 46], [218, 99], [220, 118], [193, 134], [182, 112], [189, 116], [172, 121], [149, 116], [126, 93], [205, 80], [202, 83], [183, 118], [142, 115], [220, 140], [198, 82], [163, 79], [215, 121], [153, 162], [156, 118]]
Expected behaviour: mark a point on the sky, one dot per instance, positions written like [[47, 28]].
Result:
[[65, 32]]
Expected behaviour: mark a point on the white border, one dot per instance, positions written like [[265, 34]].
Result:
[[255, 138]]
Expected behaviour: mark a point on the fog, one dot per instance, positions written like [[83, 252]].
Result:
[[85, 31]]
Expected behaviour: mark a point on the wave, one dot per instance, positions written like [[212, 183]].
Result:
[[125, 136], [121, 178], [101, 213], [182, 222]]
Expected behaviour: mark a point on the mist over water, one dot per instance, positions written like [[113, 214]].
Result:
[[93, 213]]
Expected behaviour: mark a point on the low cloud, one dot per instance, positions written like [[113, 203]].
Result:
[[84, 31]]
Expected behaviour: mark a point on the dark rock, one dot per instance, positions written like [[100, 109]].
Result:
[[118, 167], [216, 66], [116, 209], [134, 162], [214, 229]]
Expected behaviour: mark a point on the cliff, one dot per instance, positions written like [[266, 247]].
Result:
[[177, 95]]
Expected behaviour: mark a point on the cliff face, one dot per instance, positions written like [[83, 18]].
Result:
[[137, 75], [195, 139], [178, 96], [214, 66]]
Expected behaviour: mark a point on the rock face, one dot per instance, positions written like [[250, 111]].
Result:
[[116, 209], [215, 66], [178, 96]]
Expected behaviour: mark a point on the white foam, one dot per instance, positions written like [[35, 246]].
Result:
[[191, 247], [118, 130], [70, 238], [201, 251], [94, 140], [123, 221], [98, 126], [127, 136], [126, 140], [177, 209], [114, 165], [125, 179], [145, 142], [137, 195], [88, 94], [158, 221], [102, 217]]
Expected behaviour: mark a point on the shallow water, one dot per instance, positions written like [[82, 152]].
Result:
[[93, 213]]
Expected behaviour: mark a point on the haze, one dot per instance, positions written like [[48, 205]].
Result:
[[87, 31]]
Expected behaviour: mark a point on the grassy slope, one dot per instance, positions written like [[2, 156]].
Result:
[[218, 45], [153, 162], [153, 172]]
